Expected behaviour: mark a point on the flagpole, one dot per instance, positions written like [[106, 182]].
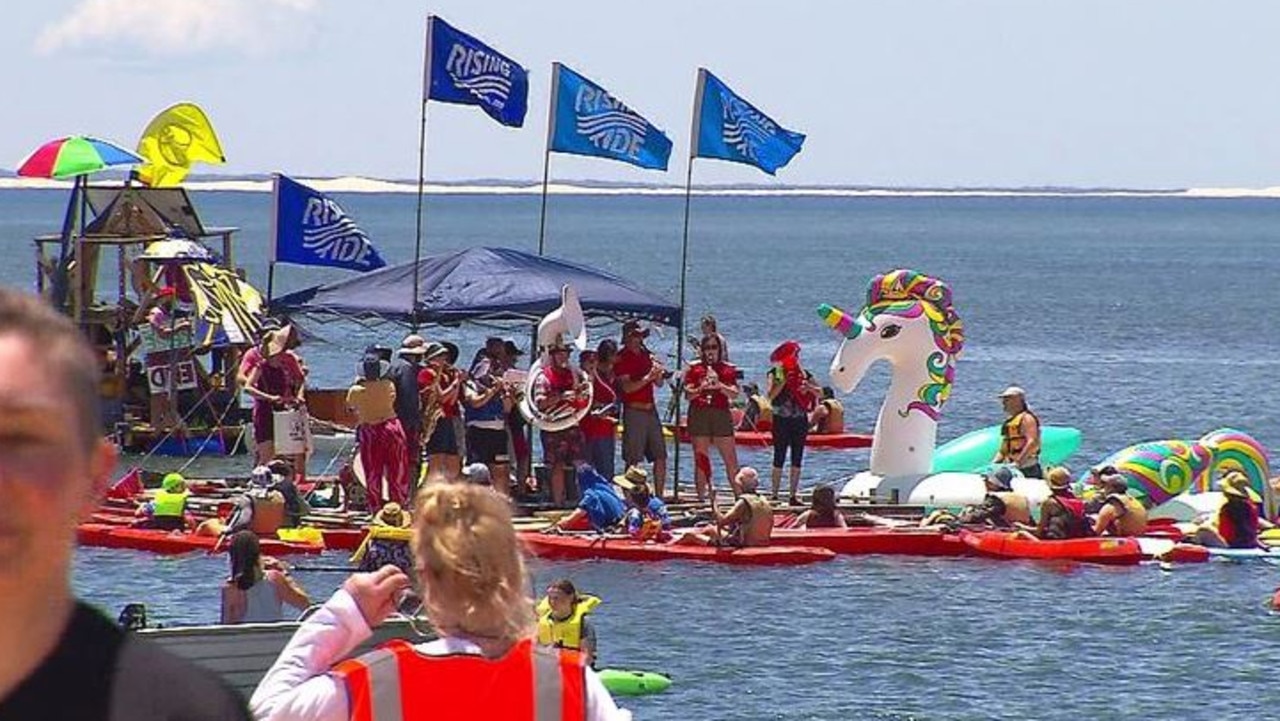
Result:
[[542, 223], [546, 158], [422, 171], [684, 271]]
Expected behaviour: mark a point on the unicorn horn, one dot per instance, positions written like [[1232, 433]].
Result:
[[837, 320]]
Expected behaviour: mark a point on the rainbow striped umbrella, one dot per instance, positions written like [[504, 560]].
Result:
[[74, 156]]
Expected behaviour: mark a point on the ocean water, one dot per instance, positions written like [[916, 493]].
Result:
[[1130, 318]]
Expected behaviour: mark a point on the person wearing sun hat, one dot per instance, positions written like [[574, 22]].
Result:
[[1062, 514], [275, 379], [1120, 514], [440, 386], [403, 373], [646, 517], [1019, 434], [1238, 521]]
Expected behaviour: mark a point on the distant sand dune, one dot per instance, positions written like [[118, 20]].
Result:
[[353, 184]]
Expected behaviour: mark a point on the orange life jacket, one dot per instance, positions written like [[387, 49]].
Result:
[[531, 682]]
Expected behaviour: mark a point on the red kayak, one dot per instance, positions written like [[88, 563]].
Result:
[[1103, 549], [621, 548], [335, 539], [861, 541], [107, 535]]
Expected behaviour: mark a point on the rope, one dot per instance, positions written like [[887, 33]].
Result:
[[181, 423]]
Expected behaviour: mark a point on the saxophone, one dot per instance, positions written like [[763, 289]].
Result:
[[433, 402]]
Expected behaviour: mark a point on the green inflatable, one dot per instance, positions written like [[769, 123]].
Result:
[[972, 452], [633, 683]]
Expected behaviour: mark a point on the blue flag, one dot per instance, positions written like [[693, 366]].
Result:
[[729, 128], [312, 229], [464, 71], [587, 120]]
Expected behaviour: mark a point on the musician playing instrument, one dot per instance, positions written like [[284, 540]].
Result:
[[712, 384], [600, 425], [439, 385], [638, 373], [487, 400], [560, 391]]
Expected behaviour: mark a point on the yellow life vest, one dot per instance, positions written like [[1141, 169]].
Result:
[[566, 633], [169, 505], [834, 422], [1011, 439], [757, 530]]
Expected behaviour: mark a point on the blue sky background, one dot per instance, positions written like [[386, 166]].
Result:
[[1010, 93]]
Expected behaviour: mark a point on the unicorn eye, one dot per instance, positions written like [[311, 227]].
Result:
[[890, 330]]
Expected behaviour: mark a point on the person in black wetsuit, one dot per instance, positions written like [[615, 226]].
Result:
[[62, 659]]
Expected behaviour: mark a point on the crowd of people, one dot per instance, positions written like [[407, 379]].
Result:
[[417, 407]]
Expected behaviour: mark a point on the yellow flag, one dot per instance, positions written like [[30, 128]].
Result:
[[174, 139]]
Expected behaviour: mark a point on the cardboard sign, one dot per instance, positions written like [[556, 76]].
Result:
[[184, 377]]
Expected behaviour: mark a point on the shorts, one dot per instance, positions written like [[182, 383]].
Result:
[[487, 446], [443, 440], [642, 436], [708, 422], [562, 448]]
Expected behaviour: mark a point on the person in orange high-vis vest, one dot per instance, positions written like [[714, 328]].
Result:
[[484, 664]]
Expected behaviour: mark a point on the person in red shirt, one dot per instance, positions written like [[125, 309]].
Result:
[[439, 385], [637, 373], [558, 389], [600, 426], [712, 384]]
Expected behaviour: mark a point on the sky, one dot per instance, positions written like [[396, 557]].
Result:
[[891, 93]]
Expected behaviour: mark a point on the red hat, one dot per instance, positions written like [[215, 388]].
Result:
[[787, 351], [167, 292]]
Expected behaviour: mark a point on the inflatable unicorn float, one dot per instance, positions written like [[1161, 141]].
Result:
[[908, 320]]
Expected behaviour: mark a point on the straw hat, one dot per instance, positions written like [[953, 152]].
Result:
[[277, 341], [392, 515], [1059, 478], [1013, 392], [1235, 484], [633, 480], [413, 344]]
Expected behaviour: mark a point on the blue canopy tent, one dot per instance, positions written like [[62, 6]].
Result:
[[476, 285]]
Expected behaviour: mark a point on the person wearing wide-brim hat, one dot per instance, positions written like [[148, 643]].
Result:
[[1019, 434], [1120, 514], [403, 374], [274, 377], [1238, 521], [380, 438], [440, 386], [1062, 514], [646, 517]]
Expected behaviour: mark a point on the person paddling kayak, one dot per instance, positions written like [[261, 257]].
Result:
[[748, 523]]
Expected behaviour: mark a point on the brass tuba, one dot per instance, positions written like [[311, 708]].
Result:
[[565, 320]]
